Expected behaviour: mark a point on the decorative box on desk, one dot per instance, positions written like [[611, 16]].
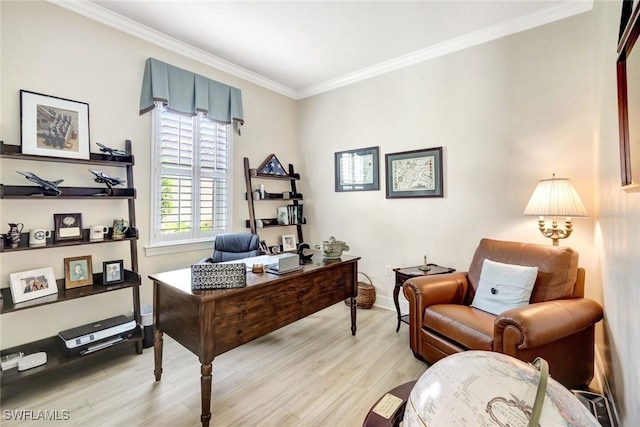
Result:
[[404, 274]]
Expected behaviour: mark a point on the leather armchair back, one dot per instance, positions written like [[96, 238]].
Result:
[[233, 246], [557, 267]]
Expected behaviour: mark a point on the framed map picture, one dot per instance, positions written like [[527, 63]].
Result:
[[415, 173]]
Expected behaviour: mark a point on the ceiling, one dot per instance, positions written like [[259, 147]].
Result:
[[301, 48]]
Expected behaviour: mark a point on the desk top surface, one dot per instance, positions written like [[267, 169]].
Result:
[[181, 279]]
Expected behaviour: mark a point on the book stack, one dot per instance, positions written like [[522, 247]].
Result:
[[290, 214]]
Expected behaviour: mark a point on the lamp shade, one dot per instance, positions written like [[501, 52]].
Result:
[[555, 197]]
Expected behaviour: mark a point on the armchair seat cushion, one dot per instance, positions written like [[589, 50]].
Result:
[[468, 327]]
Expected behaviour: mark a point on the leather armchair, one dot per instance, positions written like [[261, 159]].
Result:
[[234, 246], [558, 324]]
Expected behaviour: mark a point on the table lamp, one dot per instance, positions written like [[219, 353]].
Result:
[[555, 197]]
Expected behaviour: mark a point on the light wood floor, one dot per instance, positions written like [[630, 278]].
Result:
[[310, 373]]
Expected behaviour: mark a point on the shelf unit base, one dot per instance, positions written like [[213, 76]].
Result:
[[57, 359]]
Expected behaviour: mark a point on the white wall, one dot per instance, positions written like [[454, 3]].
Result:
[[617, 229], [50, 50], [508, 113]]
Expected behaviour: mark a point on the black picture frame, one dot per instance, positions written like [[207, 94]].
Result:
[[112, 272], [416, 173], [53, 126], [68, 226], [357, 170]]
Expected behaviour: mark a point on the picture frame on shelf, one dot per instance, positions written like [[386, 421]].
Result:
[[78, 272], [357, 170], [289, 242], [112, 272], [67, 226], [32, 284], [53, 126], [416, 173]]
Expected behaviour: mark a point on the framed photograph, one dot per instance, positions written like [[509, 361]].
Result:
[[68, 226], [78, 272], [52, 126], [28, 285], [415, 173], [289, 242], [357, 170], [112, 272]]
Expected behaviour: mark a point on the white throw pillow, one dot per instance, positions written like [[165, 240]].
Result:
[[503, 286]]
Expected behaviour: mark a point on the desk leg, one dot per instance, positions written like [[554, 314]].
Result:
[[396, 291], [205, 393], [157, 352], [353, 315]]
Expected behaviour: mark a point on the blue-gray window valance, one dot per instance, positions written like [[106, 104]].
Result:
[[190, 93]]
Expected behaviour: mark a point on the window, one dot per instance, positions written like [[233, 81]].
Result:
[[191, 184]]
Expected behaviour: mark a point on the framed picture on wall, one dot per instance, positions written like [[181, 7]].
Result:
[[52, 126], [357, 170], [416, 173]]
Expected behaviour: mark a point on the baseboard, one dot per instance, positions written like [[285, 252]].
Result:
[[602, 381], [387, 303]]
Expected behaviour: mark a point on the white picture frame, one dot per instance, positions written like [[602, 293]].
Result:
[[32, 284], [289, 242]]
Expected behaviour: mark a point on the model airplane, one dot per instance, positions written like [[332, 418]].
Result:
[[111, 151], [103, 178], [51, 186]]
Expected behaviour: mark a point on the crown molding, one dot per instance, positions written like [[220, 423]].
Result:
[[472, 39], [126, 25], [131, 27]]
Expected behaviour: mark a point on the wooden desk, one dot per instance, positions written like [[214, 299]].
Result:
[[209, 323]]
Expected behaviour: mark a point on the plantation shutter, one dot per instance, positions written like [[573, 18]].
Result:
[[214, 158], [194, 154], [176, 159]]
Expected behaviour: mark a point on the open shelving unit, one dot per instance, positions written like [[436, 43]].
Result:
[[294, 198], [53, 346]]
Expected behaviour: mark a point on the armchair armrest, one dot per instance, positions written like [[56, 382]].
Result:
[[423, 291], [450, 288], [541, 323]]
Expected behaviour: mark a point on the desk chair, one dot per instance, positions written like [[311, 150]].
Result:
[[234, 246]]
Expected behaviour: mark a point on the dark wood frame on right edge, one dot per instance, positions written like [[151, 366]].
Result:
[[629, 32], [416, 173]]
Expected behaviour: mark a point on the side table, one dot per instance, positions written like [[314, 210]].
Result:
[[404, 274], [374, 420]]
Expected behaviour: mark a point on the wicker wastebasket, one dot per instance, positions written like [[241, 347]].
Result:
[[366, 294]]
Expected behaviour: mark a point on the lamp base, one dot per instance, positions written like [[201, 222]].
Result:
[[555, 233]]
